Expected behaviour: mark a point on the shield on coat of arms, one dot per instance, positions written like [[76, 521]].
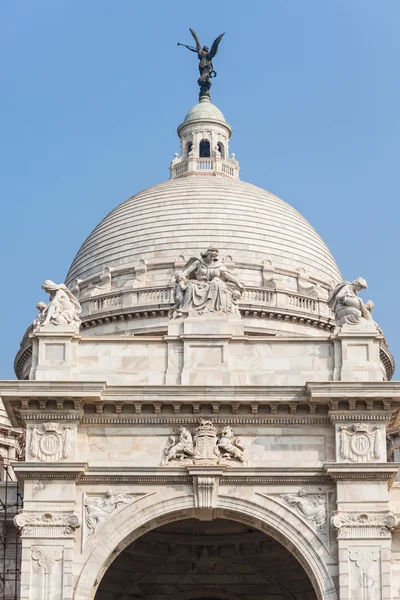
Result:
[[206, 440]]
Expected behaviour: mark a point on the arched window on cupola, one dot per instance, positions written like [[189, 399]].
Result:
[[221, 149], [189, 147], [204, 149]]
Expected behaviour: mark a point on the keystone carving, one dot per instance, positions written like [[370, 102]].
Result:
[[207, 446], [351, 524], [310, 506], [51, 444], [98, 509], [28, 522], [359, 443]]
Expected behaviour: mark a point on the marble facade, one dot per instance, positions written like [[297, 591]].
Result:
[[226, 431]]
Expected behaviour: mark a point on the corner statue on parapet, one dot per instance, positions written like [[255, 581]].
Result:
[[206, 67], [205, 286], [346, 304], [62, 309]]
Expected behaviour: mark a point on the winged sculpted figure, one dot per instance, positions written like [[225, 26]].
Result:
[[205, 56]]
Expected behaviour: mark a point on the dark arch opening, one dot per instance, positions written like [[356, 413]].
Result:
[[189, 147], [204, 149], [217, 560], [221, 149]]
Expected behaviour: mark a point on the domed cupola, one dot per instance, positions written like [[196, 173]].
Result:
[[204, 136]]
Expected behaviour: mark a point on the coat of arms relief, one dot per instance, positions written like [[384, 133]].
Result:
[[207, 446]]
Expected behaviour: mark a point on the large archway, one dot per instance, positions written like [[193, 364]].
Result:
[[150, 512], [192, 560]]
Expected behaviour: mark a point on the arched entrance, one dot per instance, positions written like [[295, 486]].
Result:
[[217, 560], [150, 513]]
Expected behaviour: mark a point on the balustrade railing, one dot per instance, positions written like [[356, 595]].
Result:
[[106, 302], [205, 165], [164, 296], [303, 303], [257, 296]]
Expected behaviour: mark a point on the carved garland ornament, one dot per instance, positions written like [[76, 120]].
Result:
[[207, 446], [360, 444], [51, 444]]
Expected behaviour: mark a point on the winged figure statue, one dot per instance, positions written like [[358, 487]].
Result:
[[206, 67]]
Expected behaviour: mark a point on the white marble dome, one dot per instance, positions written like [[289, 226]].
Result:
[[185, 216]]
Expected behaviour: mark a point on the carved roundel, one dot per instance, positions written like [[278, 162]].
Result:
[[50, 443], [360, 443]]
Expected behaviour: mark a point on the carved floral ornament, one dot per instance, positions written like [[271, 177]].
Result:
[[360, 443], [50, 444], [206, 446]]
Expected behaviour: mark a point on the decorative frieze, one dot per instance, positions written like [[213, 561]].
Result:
[[47, 524], [206, 446], [364, 525]]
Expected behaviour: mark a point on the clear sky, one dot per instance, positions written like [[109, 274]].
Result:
[[93, 90]]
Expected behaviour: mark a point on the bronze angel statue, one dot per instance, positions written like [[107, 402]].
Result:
[[206, 67]]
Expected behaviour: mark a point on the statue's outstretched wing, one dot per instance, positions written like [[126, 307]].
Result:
[[196, 39], [214, 47]]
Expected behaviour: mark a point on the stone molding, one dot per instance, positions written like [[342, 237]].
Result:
[[49, 524], [364, 524], [362, 471]]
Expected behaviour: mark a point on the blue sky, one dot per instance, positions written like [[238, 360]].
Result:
[[93, 90]]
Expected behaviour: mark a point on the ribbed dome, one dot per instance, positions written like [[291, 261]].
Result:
[[185, 216], [204, 110]]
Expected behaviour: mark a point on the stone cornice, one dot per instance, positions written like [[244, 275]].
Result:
[[240, 475], [342, 390], [31, 470], [99, 403], [375, 471]]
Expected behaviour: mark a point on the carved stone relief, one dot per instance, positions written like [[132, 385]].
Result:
[[304, 285], [47, 572], [207, 446], [360, 443], [50, 444], [47, 524], [312, 507], [364, 573], [371, 524], [39, 486], [99, 508]]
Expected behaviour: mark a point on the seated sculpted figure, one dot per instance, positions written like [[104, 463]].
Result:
[[205, 286], [345, 303], [63, 308]]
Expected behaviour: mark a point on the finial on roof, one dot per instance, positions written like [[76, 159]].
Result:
[[206, 67]]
